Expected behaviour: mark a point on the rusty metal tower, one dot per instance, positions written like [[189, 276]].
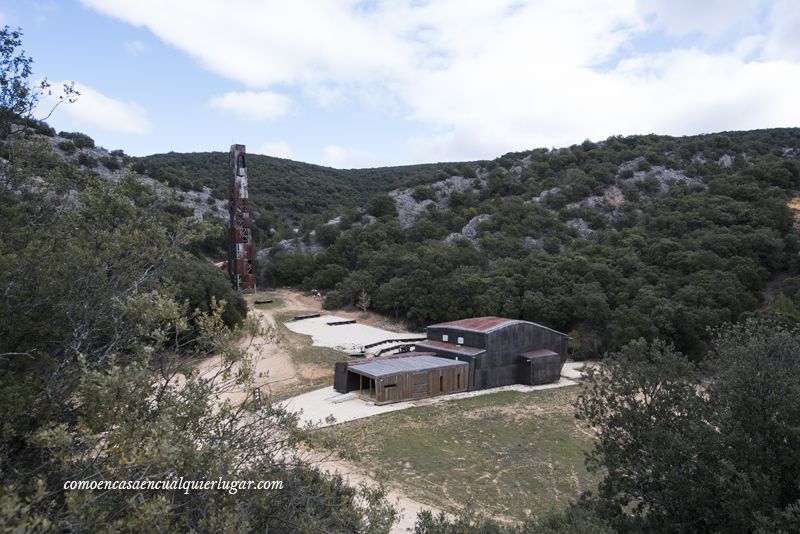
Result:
[[241, 265]]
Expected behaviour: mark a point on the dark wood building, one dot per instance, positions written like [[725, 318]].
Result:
[[410, 377], [500, 351], [465, 355]]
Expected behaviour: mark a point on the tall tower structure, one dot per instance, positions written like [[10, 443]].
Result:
[[241, 266]]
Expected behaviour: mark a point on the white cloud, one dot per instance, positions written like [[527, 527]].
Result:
[[490, 77], [251, 105], [349, 158], [96, 110], [784, 40], [708, 17], [278, 149]]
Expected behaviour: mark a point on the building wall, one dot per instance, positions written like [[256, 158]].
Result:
[[501, 365], [540, 370], [471, 339], [418, 384]]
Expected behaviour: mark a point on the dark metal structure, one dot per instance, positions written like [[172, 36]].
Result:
[[241, 260], [484, 352]]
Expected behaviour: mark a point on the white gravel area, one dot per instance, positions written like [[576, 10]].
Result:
[[347, 337], [574, 370], [318, 406]]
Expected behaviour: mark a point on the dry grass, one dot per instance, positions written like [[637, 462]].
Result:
[[511, 454]]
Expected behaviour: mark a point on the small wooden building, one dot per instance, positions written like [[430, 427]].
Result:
[[539, 367], [414, 376]]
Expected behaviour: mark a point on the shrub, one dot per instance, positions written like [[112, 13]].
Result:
[[67, 147], [111, 163], [380, 205], [333, 300], [81, 140], [86, 160], [422, 192]]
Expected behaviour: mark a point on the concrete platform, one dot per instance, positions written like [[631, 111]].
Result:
[[346, 337], [320, 405]]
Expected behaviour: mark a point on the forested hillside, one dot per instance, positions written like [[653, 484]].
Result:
[[286, 193], [643, 236], [635, 236]]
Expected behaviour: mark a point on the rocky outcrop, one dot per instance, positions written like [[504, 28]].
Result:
[[662, 174], [470, 229], [726, 160], [581, 226], [409, 209]]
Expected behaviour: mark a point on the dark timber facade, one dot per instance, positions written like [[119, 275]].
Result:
[[466, 355], [500, 351], [241, 266], [411, 377]]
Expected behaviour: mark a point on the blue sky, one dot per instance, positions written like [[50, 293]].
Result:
[[352, 83]]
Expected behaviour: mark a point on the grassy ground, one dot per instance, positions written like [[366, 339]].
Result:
[[510, 453], [276, 303], [315, 364]]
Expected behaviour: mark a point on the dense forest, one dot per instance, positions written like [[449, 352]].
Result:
[[640, 236]]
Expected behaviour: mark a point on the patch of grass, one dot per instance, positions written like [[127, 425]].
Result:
[[319, 355], [510, 453], [303, 386], [305, 355], [303, 352], [276, 303]]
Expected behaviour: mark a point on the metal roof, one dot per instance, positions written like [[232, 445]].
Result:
[[477, 324], [394, 356], [540, 353], [449, 347], [488, 324], [379, 367]]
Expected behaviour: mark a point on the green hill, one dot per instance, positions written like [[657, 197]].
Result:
[[649, 236], [640, 236]]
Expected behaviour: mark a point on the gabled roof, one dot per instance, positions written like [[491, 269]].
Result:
[[429, 344]]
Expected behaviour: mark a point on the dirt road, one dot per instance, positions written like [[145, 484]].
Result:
[[277, 371]]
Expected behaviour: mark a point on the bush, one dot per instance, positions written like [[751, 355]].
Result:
[[197, 282], [139, 167], [81, 140], [327, 234], [333, 300], [87, 161], [67, 147], [421, 193], [380, 205], [111, 163]]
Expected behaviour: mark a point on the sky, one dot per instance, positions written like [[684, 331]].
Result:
[[366, 83]]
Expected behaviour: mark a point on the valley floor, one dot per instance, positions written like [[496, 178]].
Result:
[[507, 453]]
